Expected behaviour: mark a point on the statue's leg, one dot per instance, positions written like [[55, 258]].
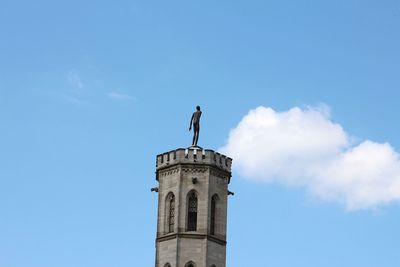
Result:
[[197, 132], [194, 134], [195, 139]]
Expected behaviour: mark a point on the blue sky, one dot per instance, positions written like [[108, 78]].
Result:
[[91, 91]]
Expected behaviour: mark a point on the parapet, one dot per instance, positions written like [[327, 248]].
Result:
[[193, 155]]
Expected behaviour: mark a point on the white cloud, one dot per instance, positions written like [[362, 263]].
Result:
[[75, 81], [77, 90], [119, 96], [303, 147]]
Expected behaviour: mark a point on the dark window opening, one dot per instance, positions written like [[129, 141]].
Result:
[[213, 211], [192, 213], [171, 214]]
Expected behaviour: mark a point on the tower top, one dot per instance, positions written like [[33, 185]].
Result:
[[192, 207], [194, 155]]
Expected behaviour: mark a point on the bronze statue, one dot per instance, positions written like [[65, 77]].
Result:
[[195, 120]]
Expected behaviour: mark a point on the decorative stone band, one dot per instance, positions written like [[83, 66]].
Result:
[[168, 171], [192, 236], [193, 169], [194, 155]]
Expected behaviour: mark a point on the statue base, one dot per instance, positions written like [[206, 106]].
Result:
[[195, 147]]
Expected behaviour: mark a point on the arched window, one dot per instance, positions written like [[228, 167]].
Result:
[[192, 212], [213, 212], [170, 213], [213, 265], [167, 265]]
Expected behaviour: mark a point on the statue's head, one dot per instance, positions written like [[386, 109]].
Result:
[[198, 108]]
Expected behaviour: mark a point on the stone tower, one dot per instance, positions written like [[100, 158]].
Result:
[[192, 208]]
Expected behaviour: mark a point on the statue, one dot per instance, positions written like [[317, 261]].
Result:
[[195, 120]]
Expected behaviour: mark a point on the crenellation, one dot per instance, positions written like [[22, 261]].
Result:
[[191, 155]]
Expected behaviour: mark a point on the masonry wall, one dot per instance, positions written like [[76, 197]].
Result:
[[207, 173], [166, 253], [216, 254]]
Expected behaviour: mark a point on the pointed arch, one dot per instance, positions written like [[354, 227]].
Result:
[[190, 264], [192, 207]]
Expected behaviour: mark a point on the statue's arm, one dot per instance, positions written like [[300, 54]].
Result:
[[191, 120]]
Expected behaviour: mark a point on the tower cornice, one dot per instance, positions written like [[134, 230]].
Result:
[[191, 236]]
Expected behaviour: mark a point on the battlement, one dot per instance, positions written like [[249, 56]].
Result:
[[193, 155]]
